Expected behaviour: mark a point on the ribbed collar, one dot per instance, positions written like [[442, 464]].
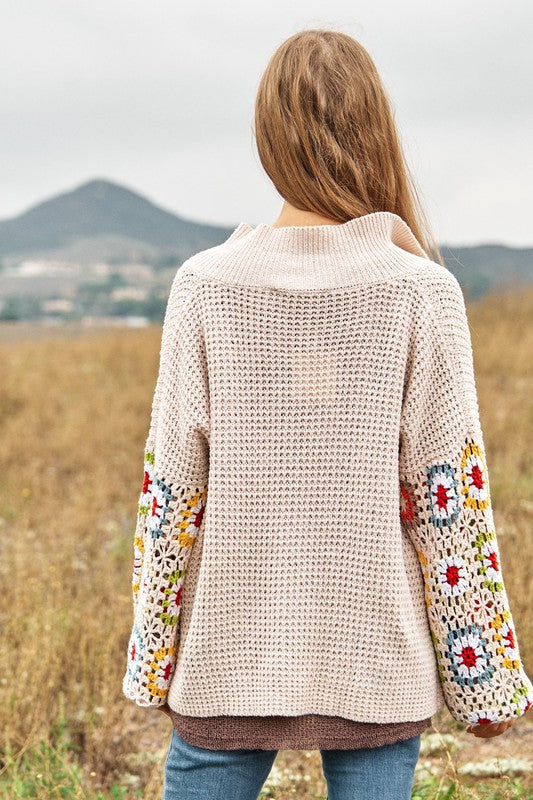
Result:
[[369, 247]]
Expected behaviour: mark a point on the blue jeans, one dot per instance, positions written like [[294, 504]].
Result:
[[373, 773]]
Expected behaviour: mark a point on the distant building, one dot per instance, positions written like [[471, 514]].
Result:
[[32, 267], [129, 293], [130, 321], [57, 305]]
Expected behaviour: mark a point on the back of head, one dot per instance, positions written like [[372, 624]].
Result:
[[326, 135]]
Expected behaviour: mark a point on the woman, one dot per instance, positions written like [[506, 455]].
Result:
[[315, 465]]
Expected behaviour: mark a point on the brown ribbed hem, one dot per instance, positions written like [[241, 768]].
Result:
[[381, 734]]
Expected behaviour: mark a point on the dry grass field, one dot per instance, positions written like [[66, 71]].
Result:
[[74, 410]]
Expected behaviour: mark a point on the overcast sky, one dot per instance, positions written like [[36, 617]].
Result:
[[160, 98]]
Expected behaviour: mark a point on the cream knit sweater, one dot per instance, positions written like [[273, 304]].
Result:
[[315, 435]]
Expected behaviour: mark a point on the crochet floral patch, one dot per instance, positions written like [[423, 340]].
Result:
[[155, 502], [442, 494], [161, 671], [169, 519], [446, 510], [468, 655]]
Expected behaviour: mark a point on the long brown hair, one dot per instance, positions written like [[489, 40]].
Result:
[[326, 135]]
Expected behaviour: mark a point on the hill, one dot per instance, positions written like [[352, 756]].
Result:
[[104, 221], [483, 268]]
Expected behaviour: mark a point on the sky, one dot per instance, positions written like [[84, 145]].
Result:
[[159, 97]]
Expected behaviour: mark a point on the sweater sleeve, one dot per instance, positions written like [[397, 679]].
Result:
[[446, 509], [172, 498]]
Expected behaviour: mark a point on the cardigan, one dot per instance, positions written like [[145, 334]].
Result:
[[315, 419], [299, 732]]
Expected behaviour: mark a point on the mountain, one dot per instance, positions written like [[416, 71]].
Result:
[[486, 267], [100, 220]]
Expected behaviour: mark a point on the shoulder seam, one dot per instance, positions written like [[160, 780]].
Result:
[[404, 276]]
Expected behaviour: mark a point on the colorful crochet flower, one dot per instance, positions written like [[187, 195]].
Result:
[[474, 477], [145, 499], [160, 508], [135, 653], [505, 639], [442, 493], [469, 658], [484, 717], [489, 562], [156, 497], [453, 575], [522, 699], [172, 601], [191, 518], [162, 668]]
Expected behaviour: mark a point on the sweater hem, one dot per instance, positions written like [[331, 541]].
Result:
[[325, 743]]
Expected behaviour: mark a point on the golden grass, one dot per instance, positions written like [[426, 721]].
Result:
[[74, 412]]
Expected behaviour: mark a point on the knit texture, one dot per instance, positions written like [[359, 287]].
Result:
[[298, 732], [315, 430]]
